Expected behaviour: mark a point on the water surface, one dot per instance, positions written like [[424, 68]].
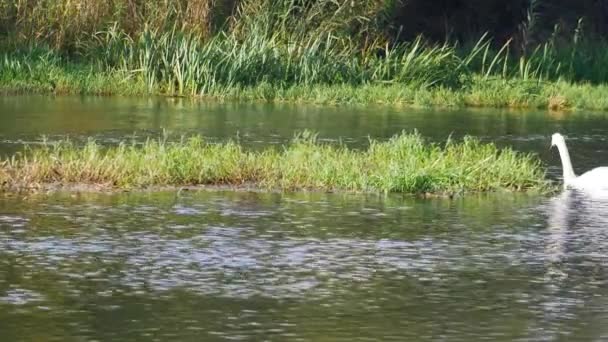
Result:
[[109, 120], [304, 267], [265, 266]]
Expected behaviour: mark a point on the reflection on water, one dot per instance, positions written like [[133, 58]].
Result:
[[341, 267], [576, 247], [575, 221], [109, 120]]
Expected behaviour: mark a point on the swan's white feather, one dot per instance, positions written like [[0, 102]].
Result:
[[594, 179]]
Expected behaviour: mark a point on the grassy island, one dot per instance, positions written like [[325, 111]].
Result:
[[404, 164]]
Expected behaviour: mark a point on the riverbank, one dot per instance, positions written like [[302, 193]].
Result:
[[413, 75], [490, 93], [404, 164], [326, 52]]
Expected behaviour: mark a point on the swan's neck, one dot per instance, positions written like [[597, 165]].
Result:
[[566, 163]]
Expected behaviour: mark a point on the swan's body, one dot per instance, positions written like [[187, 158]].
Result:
[[593, 180]]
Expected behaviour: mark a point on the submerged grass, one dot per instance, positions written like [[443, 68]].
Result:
[[404, 164]]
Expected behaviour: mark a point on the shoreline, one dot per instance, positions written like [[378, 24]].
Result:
[[84, 188], [558, 96]]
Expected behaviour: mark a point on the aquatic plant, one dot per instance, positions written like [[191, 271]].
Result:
[[406, 163], [268, 65]]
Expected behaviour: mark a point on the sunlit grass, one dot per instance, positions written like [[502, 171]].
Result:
[[404, 164], [496, 92], [321, 51], [268, 69]]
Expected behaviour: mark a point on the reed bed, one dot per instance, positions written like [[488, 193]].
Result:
[[407, 163], [267, 67], [44, 73], [322, 51]]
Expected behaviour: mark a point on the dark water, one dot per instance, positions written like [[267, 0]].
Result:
[[253, 266], [109, 120]]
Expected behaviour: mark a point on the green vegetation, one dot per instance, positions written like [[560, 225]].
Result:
[[406, 163], [323, 51]]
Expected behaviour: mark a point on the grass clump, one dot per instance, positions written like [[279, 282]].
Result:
[[404, 164]]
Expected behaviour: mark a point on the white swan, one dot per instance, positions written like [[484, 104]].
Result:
[[595, 179]]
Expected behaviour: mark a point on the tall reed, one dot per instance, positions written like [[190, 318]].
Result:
[[64, 23], [270, 48]]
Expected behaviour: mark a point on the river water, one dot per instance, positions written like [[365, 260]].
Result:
[[333, 267]]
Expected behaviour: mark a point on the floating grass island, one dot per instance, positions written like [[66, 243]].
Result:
[[406, 163]]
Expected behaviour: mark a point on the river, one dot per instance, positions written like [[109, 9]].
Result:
[[304, 266]]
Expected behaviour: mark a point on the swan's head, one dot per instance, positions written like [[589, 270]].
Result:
[[557, 139]]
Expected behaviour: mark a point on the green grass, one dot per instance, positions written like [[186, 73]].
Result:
[[48, 73], [268, 66], [404, 164], [282, 50]]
